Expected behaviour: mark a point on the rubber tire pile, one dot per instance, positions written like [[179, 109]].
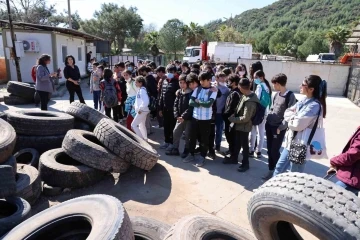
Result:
[[20, 93], [103, 217]]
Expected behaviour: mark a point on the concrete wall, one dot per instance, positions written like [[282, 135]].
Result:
[[29, 59], [335, 75]]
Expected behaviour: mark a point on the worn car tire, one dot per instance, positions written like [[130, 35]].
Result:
[[3, 116], [29, 156], [59, 170], [24, 90], [148, 228], [13, 100], [92, 217], [205, 228], [317, 205], [84, 147], [7, 140], [126, 144], [51, 191], [40, 143], [40, 123], [85, 113], [12, 163], [7, 181], [13, 210], [28, 183], [82, 125]]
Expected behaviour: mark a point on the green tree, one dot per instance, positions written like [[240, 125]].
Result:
[[337, 38], [63, 19], [228, 34], [314, 44], [193, 34], [262, 41], [282, 42], [171, 39], [115, 24], [153, 39]]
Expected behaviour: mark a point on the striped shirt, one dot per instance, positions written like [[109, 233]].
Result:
[[202, 113]]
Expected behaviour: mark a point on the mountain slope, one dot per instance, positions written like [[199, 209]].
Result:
[[296, 14]]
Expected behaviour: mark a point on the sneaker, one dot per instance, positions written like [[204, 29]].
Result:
[[185, 153], [228, 160], [189, 158], [226, 153], [169, 147], [258, 155], [268, 175], [200, 161], [212, 154], [164, 145], [243, 168], [173, 152], [251, 154]]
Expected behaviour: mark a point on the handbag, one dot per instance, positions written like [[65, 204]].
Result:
[[298, 150]]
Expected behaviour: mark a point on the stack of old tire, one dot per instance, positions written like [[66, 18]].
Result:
[[102, 217], [20, 93], [319, 206]]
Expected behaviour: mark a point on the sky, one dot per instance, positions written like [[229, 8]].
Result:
[[159, 11]]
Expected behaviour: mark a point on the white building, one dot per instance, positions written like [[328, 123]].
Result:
[[42, 39]]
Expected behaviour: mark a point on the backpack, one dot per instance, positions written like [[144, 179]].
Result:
[[265, 98], [110, 94], [259, 116]]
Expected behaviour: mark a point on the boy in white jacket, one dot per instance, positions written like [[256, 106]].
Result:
[[141, 107]]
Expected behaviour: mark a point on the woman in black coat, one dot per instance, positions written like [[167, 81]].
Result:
[[72, 76]]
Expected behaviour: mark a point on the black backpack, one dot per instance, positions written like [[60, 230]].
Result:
[[259, 116]]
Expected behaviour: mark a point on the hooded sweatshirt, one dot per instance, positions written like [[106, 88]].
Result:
[[142, 100], [244, 112]]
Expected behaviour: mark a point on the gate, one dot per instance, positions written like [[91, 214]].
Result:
[[353, 90]]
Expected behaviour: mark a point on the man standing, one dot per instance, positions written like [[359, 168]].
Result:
[[88, 57]]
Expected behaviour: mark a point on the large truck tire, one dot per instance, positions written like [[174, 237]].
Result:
[[84, 147], [29, 156], [24, 90], [14, 100], [40, 143], [92, 217], [7, 140], [12, 163], [59, 170], [7, 181], [3, 116], [148, 228], [317, 205], [13, 210], [126, 145], [206, 228], [85, 113], [28, 183], [40, 123]]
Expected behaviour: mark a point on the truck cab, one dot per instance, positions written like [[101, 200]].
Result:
[[192, 54]]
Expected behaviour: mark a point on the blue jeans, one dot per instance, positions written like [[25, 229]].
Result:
[[283, 164], [96, 97], [348, 187], [219, 125]]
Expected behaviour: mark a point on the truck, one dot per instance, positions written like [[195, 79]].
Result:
[[321, 57], [217, 52]]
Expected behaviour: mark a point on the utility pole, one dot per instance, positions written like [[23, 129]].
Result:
[[69, 12], [13, 38]]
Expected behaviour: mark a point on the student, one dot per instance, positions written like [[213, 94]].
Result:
[[301, 116], [185, 68], [220, 107], [182, 115], [169, 87], [141, 108], [161, 76], [231, 103], [241, 70], [131, 91], [110, 94], [276, 126], [346, 165], [118, 76], [244, 112], [263, 92], [95, 86], [202, 100]]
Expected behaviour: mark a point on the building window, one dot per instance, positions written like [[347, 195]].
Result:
[[79, 54], [64, 52]]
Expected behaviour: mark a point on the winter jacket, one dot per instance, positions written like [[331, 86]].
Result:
[[181, 105], [129, 103], [151, 86], [168, 94], [244, 112], [43, 80], [232, 101], [142, 100], [348, 162]]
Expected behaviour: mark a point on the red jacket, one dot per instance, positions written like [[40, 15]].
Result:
[[348, 163]]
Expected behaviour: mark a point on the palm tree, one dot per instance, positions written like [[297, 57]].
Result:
[[337, 37], [153, 38], [193, 34]]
